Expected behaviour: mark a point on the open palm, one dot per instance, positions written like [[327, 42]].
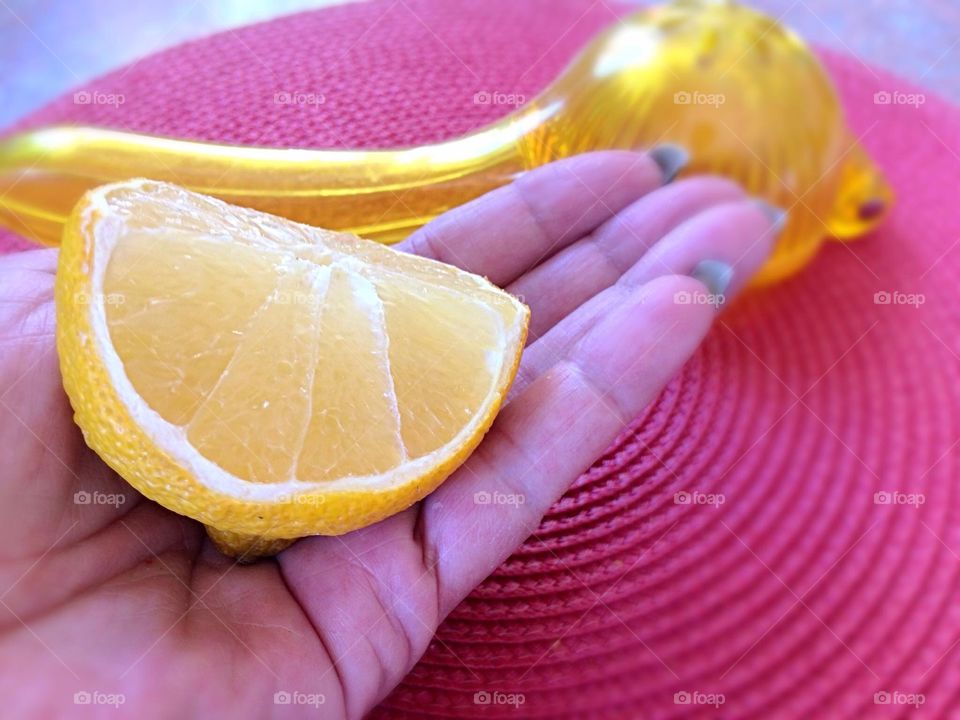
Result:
[[108, 599]]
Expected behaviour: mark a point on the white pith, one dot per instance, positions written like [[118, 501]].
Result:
[[172, 439]]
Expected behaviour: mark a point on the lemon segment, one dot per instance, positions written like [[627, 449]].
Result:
[[270, 379]]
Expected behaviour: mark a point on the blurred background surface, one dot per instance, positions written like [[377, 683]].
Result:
[[50, 46]]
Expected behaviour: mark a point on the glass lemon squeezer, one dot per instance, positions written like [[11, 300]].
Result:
[[743, 94]]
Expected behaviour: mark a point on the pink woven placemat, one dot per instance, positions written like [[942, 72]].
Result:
[[805, 593]]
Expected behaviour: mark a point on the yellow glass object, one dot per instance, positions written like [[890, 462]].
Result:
[[742, 93]]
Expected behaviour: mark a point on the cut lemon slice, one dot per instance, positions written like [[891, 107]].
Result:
[[270, 379]]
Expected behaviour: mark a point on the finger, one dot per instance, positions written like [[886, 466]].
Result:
[[553, 431], [724, 245], [739, 235], [559, 285], [509, 230]]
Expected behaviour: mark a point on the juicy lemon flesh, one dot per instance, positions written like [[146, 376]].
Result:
[[283, 368], [266, 378]]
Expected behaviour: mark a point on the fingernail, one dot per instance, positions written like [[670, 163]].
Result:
[[715, 274], [777, 216], [671, 159]]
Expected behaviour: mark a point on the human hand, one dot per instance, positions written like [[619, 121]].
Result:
[[106, 593]]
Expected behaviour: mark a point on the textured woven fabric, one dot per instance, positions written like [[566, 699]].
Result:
[[804, 593]]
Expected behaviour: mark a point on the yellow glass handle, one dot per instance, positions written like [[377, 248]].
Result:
[[742, 93]]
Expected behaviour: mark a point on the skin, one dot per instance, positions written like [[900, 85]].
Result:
[[129, 598]]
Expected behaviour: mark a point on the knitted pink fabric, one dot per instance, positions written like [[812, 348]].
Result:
[[806, 592]]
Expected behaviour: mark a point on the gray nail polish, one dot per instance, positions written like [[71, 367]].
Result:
[[671, 159], [715, 274], [777, 216]]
